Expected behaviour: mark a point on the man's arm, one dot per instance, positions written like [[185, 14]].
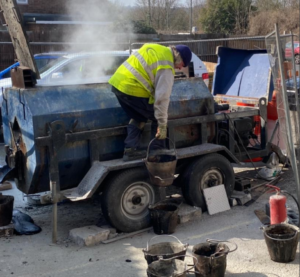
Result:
[[164, 81]]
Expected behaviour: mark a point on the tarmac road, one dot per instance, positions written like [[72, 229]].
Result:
[[30, 256]]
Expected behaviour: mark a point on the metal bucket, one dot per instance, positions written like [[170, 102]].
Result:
[[164, 217], [161, 165], [282, 240], [6, 209], [172, 267], [211, 258], [165, 250]]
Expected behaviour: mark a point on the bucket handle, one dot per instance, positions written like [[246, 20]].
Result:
[[223, 252], [164, 236], [187, 265], [154, 140]]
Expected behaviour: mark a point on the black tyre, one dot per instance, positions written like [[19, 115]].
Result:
[[126, 199], [207, 171]]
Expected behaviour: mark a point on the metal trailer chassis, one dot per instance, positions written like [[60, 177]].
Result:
[[100, 170]]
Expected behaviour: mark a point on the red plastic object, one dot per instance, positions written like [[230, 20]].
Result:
[[278, 212], [205, 76], [258, 159], [244, 104], [257, 128], [272, 107]]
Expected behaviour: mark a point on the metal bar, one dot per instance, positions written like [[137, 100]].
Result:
[[252, 154], [96, 134], [212, 40], [135, 43], [295, 86], [87, 135], [65, 43], [127, 235], [214, 117], [203, 133], [54, 187], [231, 134], [274, 130], [286, 108]]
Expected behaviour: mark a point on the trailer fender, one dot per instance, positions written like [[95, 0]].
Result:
[[206, 148], [99, 170]]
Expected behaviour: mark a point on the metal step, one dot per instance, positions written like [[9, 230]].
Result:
[[89, 183]]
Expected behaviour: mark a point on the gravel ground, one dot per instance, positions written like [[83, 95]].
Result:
[[35, 255]]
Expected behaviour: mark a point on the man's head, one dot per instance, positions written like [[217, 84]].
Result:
[[185, 55]]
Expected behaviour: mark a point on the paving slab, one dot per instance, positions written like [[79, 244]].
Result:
[[89, 235]]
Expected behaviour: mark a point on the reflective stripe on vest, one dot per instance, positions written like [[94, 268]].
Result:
[[147, 68], [137, 75]]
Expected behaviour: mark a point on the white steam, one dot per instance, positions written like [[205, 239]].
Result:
[[101, 26]]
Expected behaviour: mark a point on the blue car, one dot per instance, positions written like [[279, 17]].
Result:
[[40, 59]]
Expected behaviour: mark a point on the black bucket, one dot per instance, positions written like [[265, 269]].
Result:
[[168, 268], [211, 258], [6, 209], [165, 250], [161, 165], [282, 240], [164, 217]]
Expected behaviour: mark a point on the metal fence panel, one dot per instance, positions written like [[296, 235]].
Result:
[[204, 49]]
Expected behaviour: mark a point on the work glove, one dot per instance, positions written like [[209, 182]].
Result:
[[161, 131]]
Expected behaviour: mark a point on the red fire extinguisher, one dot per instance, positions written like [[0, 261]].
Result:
[[278, 211]]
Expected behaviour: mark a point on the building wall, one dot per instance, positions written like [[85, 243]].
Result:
[[62, 6], [43, 6]]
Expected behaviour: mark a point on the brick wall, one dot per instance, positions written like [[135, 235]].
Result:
[[62, 6], [44, 6]]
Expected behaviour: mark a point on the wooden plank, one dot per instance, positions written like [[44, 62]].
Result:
[[264, 219], [13, 19]]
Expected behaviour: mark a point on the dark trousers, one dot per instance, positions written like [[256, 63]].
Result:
[[140, 110]]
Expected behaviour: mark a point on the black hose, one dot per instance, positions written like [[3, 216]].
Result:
[[285, 192]]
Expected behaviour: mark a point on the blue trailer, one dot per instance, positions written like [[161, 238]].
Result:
[[69, 140]]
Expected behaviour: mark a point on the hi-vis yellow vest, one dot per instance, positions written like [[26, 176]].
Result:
[[136, 76]]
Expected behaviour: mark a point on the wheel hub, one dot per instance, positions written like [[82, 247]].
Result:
[[136, 199], [211, 178]]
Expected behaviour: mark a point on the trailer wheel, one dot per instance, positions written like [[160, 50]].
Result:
[[207, 171], [127, 197]]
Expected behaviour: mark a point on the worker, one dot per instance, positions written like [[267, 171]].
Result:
[[143, 85]]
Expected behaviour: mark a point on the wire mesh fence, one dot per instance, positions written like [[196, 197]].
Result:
[[286, 84], [204, 49]]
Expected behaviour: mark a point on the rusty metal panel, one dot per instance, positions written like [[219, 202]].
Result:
[[18, 35], [22, 77]]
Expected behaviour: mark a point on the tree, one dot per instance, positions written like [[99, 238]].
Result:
[[160, 14], [225, 16], [268, 12]]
